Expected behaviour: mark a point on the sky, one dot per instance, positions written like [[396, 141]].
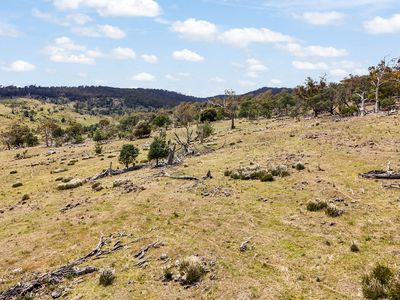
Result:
[[195, 47]]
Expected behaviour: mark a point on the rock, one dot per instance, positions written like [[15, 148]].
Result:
[[164, 256], [17, 271], [17, 184]]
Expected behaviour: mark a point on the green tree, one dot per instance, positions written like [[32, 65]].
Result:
[[161, 121], [158, 149], [128, 154], [142, 130]]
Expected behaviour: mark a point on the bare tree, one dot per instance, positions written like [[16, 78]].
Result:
[[229, 105]]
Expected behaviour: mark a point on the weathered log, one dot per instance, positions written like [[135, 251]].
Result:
[[111, 172], [377, 174], [56, 276]]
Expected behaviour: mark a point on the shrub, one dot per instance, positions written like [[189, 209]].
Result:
[[161, 121], [280, 171], [300, 166], [333, 211], [208, 115], [25, 197], [316, 205], [227, 173], [142, 130], [128, 154], [376, 284], [267, 178], [14, 172], [204, 130], [98, 149], [394, 287], [354, 247], [191, 270], [107, 276], [167, 274]]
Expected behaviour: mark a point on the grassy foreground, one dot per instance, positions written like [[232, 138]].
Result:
[[293, 253]]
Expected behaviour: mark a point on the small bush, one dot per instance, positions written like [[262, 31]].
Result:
[[107, 276], [167, 274], [191, 270], [316, 205], [377, 284], [98, 149], [267, 178], [354, 247], [227, 173], [280, 171], [14, 172], [25, 197], [333, 211], [300, 166], [394, 287]]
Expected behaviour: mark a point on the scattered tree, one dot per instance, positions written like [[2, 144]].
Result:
[[128, 154]]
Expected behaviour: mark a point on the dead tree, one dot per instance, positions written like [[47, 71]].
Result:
[[186, 141], [229, 105]]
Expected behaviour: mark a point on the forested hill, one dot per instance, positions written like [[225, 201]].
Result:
[[105, 100]]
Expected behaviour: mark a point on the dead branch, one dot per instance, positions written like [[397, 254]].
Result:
[[186, 177], [111, 172], [56, 276]]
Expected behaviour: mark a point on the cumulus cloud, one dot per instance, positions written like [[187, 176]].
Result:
[[143, 77], [254, 67], [310, 66], [130, 8], [8, 30], [313, 51], [65, 50], [79, 19], [242, 37], [19, 66], [150, 58], [187, 55], [379, 25], [123, 53], [108, 31], [323, 18], [195, 29]]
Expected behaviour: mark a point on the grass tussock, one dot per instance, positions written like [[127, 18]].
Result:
[[107, 276]]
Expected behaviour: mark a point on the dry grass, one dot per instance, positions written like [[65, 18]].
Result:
[[290, 257]]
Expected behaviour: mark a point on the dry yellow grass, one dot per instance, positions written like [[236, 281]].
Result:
[[294, 254]]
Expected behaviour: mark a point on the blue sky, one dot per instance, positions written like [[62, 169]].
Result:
[[197, 47]]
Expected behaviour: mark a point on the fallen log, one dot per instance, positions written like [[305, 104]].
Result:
[[56, 276], [378, 174], [186, 177], [111, 172]]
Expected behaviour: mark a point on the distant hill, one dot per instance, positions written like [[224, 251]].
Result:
[[266, 89], [108, 100]]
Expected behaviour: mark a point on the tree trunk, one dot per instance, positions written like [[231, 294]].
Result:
[[232, 121], [362, 107], [377, 103], [171, 155], [156, 162]]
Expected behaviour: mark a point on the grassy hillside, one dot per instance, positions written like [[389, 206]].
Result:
[[292, 253]]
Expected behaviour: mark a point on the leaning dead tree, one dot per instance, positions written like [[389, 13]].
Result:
[[105, 246]]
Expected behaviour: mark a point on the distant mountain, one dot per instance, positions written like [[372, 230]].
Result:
[[266, 89], [108, 100]]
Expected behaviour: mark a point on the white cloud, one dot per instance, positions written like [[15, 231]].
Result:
[[8, 30], [313, 51], [123, 53], [195, 29], [149, 58], [306, 65], [379, 25], [49, 18], [143, 77], [187, 55], [19, 66], [323, 18], [254, 67], [242, 37], [79, 19], [109, 31], [66, 51], [131, 8]]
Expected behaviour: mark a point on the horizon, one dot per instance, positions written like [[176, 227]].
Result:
[[198, 49]]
